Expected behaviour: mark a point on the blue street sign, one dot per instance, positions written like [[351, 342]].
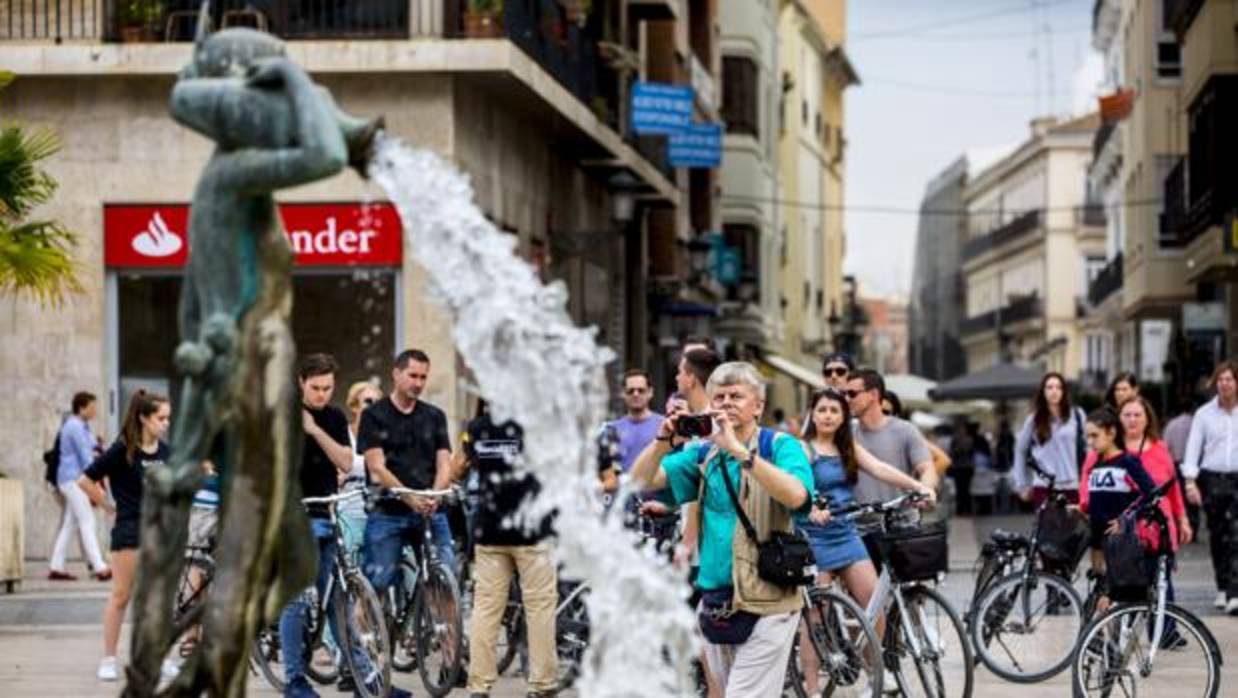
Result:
[[699, 145], [724, 260], [661, 108]]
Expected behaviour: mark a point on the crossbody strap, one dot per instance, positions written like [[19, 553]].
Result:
[[765, 447]]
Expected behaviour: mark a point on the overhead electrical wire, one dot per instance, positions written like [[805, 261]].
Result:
[[902, 210], [954, 22]]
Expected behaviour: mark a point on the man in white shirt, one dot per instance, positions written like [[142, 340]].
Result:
[[1210, 468]]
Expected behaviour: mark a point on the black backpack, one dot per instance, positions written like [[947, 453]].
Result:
[[51, 460]]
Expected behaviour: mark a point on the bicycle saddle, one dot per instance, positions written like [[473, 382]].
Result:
[[1009, 539]]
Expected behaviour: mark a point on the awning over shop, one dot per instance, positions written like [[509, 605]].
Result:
[[911, 389], [788, 367], [1000, 382]]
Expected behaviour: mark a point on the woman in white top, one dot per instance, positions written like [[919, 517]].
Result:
[[361, 395], [1051, 441]]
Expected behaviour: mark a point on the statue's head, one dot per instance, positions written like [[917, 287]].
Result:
[[231, 52]]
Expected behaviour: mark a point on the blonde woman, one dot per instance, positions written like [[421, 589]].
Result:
[[361, 395]]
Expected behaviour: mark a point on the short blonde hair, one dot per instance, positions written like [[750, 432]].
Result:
[[736, 373], [353, 400]]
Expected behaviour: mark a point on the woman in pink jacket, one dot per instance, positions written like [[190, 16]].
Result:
[[1142, 438]]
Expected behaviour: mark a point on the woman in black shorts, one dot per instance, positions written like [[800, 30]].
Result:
[[139, 448]]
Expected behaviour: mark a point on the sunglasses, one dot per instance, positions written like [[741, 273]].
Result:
[[839, 371], [852, 394], [636, 391]]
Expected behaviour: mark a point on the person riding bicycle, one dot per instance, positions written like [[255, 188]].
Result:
[[324, 455], [1112, 479], [509, 536], [836, 462], [405, 444], [773, 480]]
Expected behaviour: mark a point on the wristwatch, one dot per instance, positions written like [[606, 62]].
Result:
[[748, 462]]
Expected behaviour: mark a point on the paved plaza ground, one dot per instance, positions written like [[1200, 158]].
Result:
[[49, 633]]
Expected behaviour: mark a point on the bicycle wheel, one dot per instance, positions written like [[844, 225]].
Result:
[[571, 634], [267, 657], [511, 635], [400, 617], [365, 643], [1025, 628], [847, 650], [1115, 657], [793, 684], [927, 649], [439, 630]]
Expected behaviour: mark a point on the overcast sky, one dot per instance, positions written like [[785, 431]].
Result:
[[938, 79]]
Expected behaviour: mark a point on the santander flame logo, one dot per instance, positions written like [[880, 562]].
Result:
[[157, 240]]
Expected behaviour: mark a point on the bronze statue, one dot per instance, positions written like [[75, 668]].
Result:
[[273, 128]]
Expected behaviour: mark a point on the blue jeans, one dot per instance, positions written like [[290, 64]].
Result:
[[387, 534], [292, 620]]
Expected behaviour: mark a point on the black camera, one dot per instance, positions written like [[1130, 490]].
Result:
[[691, 425]]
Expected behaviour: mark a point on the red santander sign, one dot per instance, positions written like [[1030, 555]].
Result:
[[349, 234]]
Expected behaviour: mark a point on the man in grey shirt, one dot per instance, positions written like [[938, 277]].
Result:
[[889, 439]]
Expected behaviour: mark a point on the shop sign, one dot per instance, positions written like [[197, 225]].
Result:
[[1203, 317], [146, 236], [661, 108], [698, 145]]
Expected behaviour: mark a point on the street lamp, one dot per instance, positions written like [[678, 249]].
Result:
[[623, 199]]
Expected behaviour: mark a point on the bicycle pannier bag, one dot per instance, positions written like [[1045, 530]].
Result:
[[917, 554], [1063, 536], [1127, 568]]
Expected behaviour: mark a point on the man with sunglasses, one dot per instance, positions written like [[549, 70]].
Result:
[[836, 368], [639, 426], [889, 439]]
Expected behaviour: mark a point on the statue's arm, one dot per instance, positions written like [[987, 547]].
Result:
[[320, 150]]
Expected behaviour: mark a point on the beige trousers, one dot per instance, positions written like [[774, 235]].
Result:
[[492, 575], [757, 668]]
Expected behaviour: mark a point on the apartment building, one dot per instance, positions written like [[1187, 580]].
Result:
[[533, 104], [1029, 243]]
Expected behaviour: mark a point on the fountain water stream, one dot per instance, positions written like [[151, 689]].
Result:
[[532, 364]]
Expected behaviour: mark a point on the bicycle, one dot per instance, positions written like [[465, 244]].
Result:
[[424, 612], [571, 631], [1024, 621], [844, 643], [920, 624], [363, 640], [1121, 649]]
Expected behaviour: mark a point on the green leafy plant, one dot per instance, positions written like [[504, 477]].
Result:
[[489, 7], [142, 13], [35, 255]]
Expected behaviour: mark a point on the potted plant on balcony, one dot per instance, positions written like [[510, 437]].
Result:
[[577, 11], [481, 20], [138, 19]]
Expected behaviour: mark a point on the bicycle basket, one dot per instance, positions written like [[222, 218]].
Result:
[[1126, 564], [917, 554], [1063, 537]]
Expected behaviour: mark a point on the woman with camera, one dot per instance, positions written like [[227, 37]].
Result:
[[757, 478]]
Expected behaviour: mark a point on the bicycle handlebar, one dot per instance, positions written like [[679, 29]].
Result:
[[856, 509], [428, 494], [333, 498]]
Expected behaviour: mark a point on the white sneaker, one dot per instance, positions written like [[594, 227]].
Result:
[[1231, 606], [108, 669], [1220, 600]]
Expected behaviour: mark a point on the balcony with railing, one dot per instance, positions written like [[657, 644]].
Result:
[[1211, 170], [1091, 215], [1010, 231], [1016, 310], [1103, 134], [1173, 215], [1108, 281]]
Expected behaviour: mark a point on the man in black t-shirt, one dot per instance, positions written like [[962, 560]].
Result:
[[405, 444], [509, 538], [324, 455]]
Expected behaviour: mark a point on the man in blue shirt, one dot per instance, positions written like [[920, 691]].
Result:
[[77, 452]]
